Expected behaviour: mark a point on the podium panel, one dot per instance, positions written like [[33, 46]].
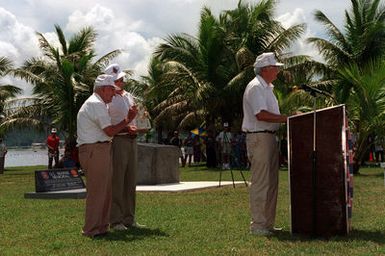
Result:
[[320, 179]]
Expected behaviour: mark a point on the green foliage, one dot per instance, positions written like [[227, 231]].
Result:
[[62, 80], [366, 105], [203, 78], [353, 69]]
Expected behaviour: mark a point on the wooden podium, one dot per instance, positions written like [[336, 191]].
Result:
[[321, 179]]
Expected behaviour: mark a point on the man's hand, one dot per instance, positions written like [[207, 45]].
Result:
[[132, 130]]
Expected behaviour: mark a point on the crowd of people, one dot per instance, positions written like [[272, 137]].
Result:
[[225, 150]]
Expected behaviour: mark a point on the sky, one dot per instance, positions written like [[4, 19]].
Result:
[[134, 26]]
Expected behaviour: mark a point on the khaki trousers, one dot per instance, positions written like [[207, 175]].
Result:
[[95, 160], [262, 150], [125, 165]]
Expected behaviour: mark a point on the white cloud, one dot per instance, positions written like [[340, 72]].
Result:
[[136, 26], [300, 46], [99, 17], [17, 41], [114, 34]]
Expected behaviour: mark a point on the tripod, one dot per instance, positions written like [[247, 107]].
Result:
[[231, 171], [232, 177]]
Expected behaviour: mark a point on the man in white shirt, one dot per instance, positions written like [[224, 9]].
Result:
[[224, 139], [94, 134], [260, 122], [125, 156]]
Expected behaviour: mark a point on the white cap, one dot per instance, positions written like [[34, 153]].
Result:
[[114, 70], [53, 130], [266, 59], [226, 124], [104, 80]]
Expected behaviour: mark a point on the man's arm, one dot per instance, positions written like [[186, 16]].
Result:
[[267, 116], [122, 126], [115, 129]]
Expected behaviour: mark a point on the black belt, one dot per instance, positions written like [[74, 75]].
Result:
[[98, 142], [264, 131], [131, 136]]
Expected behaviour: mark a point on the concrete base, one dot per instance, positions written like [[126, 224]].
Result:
[[67, 194], [157, 164], [174, 187]]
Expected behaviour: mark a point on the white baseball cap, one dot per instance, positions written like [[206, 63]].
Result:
[[266, 59], [53, 130], [105, 80], [114, 70]]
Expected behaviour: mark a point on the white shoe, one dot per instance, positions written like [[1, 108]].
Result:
[[137, 225], [275, 229], [261, 232], [119, 227]]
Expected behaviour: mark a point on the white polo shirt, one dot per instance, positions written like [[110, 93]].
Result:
[[258, 96], [92, 118], [119, 106]]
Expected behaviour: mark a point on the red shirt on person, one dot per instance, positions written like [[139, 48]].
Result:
[[53, 142]]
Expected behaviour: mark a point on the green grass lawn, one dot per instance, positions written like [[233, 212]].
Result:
[[206, 222]]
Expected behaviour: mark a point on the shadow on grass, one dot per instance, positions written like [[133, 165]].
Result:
[[133, 234], [355, 235], [18, 172], [369, 175]]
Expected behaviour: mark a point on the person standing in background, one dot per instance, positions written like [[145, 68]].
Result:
[[124, 155], [176, 141], [53, 142], [224, 141], [3, 152]]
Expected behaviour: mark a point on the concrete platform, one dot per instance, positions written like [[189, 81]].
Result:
[[172, 187]]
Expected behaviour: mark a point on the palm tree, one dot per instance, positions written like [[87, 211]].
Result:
[[62, 79], [362, 41], [207, 75], [366, 104], [6, 91], [194, 72], [360, 44]]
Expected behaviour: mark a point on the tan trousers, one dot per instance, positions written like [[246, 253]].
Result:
[[125, 165], [262, 150], [95, 160]]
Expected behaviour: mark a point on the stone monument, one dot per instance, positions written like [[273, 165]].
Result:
[[157, 164]]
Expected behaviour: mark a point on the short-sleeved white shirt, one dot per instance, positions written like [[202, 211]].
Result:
[[119, 106], [92, 118], [258, 96]]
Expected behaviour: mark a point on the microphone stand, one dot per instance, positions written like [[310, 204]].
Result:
[[314, 166]]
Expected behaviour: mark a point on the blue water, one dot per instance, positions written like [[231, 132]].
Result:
[[26, 157]]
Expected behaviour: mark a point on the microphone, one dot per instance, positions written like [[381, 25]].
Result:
[[313, 91]]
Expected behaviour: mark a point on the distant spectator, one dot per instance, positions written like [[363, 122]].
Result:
[[3, 152], [224, 140], [66, 161], [53, 148], [176, 141], [379, 151], [188, 149], [197, 150], [210, 150]]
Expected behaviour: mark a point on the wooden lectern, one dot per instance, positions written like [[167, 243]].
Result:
[[320, 173]]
